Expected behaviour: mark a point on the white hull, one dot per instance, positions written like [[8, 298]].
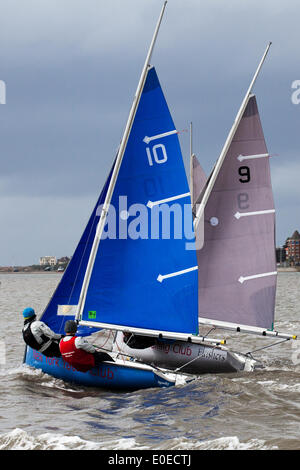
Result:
[[186, 357]]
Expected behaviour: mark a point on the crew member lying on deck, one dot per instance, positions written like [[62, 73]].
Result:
[[78, 352], [138, 341]]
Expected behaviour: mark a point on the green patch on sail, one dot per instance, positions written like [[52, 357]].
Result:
[[92, 315]]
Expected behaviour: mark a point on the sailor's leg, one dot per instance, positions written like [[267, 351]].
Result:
[[101, 356], [52, 350]]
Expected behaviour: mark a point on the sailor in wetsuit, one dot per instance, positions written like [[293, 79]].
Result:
[[39, 336]]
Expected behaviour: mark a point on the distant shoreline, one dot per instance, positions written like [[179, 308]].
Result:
[[31, 272], [36, 271], [288, 270]]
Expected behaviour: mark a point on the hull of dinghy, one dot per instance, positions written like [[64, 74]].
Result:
[[189, 358], [111, 375]]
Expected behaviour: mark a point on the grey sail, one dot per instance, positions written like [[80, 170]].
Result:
[[198, 185], [198, 179], [237, 263]]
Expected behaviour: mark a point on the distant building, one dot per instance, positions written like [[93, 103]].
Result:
[[292, 248], [48, 261], [64, 260]]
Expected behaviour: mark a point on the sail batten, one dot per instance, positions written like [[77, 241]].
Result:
[[250, 157], [161, 277], [238, 215], [242, 279], [168, 199], [159, 136]]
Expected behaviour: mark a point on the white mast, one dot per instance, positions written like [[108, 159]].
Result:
[[219, 163], [115, 173]]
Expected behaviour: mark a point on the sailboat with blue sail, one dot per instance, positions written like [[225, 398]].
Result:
[[135, 270], [133, 277]]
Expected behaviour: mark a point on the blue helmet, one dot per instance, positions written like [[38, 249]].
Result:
[[28, 312]]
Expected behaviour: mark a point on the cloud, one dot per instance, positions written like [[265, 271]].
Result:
[[34, 227], [71, 69]]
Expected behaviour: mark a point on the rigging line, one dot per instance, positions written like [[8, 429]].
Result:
[[266, 347], [110, 335], [213, 328], [141, 362], [101, 348], [184, 365], [119, 352], [192, 360], [123, 353], [245, 355], [106, 340]]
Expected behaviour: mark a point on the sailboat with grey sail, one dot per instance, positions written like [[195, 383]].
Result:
[[234, 221], [144, 287]]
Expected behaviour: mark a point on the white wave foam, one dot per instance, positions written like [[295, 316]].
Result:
[[275, 386], [222, 443], [38, 376], [22, 370], [19, 439], [265, 382], [289, 388]]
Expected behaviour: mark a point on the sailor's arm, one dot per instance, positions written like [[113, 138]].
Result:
[[43, 328], [82, 343]]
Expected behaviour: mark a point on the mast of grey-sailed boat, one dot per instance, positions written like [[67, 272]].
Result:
[[201, 206]]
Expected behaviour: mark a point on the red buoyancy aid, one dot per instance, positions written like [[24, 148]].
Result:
[[78, 358]]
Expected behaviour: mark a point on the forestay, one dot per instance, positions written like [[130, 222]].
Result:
[[143, 276], [237, 266]]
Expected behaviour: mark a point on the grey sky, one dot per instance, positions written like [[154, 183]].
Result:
[[71, 68]]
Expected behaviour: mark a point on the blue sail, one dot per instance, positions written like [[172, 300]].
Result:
[[69, 288], [143, 275]]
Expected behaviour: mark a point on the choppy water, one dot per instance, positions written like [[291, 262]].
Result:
[[255, 410]]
